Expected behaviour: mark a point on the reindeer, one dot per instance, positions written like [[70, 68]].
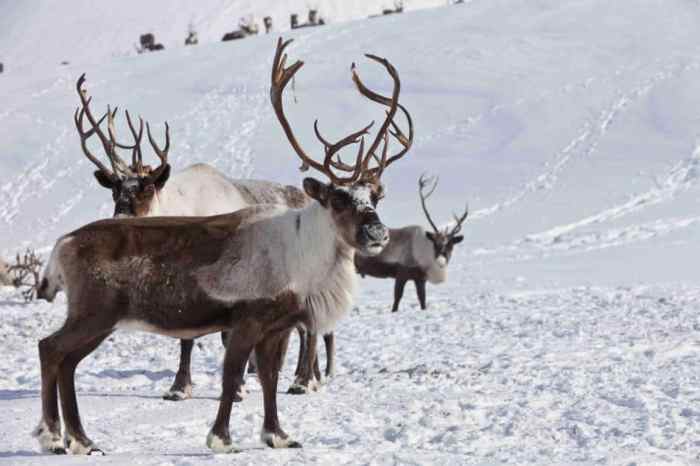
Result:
[[189, 276], [414, 254], [140, 190]]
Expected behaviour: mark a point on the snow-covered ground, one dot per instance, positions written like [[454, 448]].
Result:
[[569, 330]]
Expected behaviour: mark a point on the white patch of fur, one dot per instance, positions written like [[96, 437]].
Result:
[[217, 445], [361, 196], [48, 441], [198, 190], [328, 268], [53, 272], [308, 260], [270, 438], [135, 325], [436, 274]]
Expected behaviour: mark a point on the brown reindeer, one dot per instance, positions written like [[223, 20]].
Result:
[[189, 276], [139, 190], [414, 254]]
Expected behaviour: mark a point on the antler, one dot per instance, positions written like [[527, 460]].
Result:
[[395, 131], [161, 153], [459, 220], [424, 181], [281, 76], [118, 166], [110, 144]]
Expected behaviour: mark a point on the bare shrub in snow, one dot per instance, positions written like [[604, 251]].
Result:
[[24, 273]]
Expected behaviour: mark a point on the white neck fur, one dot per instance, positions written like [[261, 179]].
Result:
[[322, 266]]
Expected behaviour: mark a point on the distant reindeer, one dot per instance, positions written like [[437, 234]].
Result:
[[148, 43], [313, 20], [187, 277], [246, 27], [191, 38], [414, 254], [398, 8], [140, 190], [267, 22]]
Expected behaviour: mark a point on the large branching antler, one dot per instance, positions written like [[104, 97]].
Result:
[[109, 142], [119, 168], [423, 182], [281, 75], [395, 131]]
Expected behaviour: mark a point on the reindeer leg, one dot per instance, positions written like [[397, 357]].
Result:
[[53, 350], [420, 291], [182, 385], [316, 368], [77, 441], [270, 354], [48, 432], [237, 352], [303, 344], [304, 382], [329, 341], [241, 392], [252, 366], [399, 285]]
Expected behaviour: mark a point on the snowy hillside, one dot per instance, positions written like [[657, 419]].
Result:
[[83, 31], [569, 330]]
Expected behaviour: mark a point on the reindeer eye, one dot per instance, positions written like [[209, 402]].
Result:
[[340, 202]]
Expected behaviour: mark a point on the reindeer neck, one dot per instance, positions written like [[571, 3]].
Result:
[[317, 243], [322, 265]]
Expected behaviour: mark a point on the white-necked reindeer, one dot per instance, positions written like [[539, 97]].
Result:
[[189, 276], [139, 190], [414, 254]]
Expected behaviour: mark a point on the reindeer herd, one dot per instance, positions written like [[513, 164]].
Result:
[[196, 253]]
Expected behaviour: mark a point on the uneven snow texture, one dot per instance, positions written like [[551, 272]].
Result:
[[569, 330]]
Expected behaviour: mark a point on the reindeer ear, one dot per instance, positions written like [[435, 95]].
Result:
[[165, 174], [430, 236], [316, 190], [104, 180], [456, 239]]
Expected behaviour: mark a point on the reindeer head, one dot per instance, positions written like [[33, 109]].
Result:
[[351, 200], [134, 187], [443, 240]]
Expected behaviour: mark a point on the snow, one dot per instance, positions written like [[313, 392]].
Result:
[[569, 329]]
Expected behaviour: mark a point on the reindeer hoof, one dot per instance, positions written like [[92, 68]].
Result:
[[176, 395], [220, 445], [302, 388], [278, 440], [179, 392], [50, 441], [296, 389], [85, 447]]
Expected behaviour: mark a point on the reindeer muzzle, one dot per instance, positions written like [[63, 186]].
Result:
[[373, 237]]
